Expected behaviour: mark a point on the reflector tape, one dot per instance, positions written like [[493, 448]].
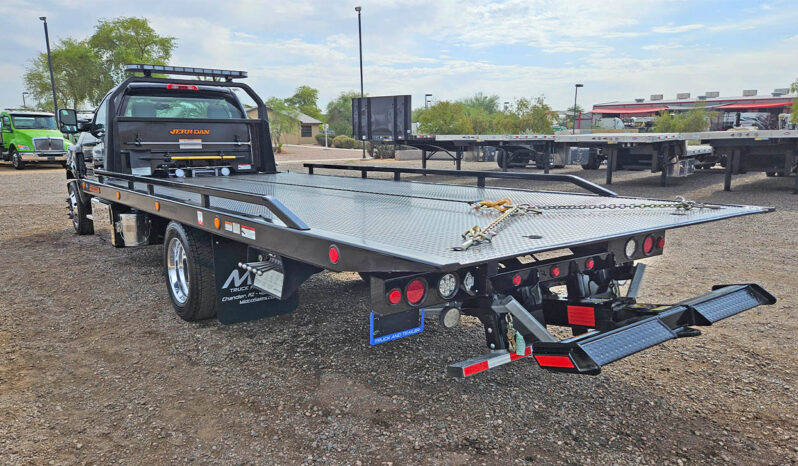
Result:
[[582, 315], [554, 361], [485, 362]]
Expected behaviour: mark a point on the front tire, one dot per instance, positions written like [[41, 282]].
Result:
[[78, 211], [16, 160], [188, 264]]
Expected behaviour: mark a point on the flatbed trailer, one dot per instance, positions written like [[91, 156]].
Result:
[[238, 244], [774, 152]]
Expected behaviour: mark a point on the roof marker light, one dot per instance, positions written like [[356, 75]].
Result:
[[182, 87]]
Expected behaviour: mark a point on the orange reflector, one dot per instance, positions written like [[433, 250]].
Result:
[[217, 223], [157, 205], [554, 361], [118, 195]]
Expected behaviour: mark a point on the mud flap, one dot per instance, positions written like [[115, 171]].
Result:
[[385, 328], [237, 299], [587, 353]]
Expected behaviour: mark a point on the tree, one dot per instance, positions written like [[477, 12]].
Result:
[[480, 101], [339, 113], [445, 118], [283, 120], [79, 76], [305, 99], [534, 115], [695, 120], [126, 40], [569, 114]]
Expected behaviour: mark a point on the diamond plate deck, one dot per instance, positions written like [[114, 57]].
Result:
[[380, 215]]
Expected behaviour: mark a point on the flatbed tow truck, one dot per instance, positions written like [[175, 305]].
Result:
[[184, 167]]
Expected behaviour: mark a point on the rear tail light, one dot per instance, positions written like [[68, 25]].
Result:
[[648, 245], [555, 271], [517, 279], [661, 243], [415, 291], [447, 286], [630, 248], [182, 87], [394, 296], [590, 263]]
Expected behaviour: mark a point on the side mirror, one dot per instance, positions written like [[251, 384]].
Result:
[[68, 120]]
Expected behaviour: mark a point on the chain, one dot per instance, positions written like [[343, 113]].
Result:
[[680, 204], [477, 235], [511, 346]]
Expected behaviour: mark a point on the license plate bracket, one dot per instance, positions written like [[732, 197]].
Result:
[[385, 328]]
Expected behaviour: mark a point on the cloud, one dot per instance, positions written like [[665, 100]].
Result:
[[676, 29]]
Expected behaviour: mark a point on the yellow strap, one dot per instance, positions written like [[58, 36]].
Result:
[[501, 205]]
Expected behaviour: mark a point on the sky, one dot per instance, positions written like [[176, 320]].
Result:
[[619, 49]]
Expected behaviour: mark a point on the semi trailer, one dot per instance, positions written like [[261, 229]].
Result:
[[184, 168]]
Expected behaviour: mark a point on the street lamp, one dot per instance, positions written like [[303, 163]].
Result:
[[50, 62], [576, 89], [427, 100], [24, 93], [360, 44]]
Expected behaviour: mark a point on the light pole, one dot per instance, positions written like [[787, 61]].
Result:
[[427, 100], [50, 62], [576, 89], [24, 93], [360, 44]]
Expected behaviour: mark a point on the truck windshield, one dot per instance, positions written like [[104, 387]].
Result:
[[33, 122], [181, 106]]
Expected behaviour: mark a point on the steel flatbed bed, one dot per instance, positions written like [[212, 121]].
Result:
[[240, 237]]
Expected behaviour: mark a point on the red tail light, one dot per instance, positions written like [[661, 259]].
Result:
[[516, 279], [334, 254], [590, 263], [182, 87], [554, 361], [661, 243], [555, 271], [415, 291], [648, 244], [394, 296]]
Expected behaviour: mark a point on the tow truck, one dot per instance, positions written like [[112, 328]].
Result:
[[553, 276]]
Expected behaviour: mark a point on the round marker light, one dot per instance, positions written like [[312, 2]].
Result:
[[661, 243], [590, 263], [648, 245], [630, 248], [517, 279], [157, 205], [180, 173], [225, 171], [468, 283], [415, 291], [394, 296], [334, 254], [450, 317], [217, 223], [447, 286], [118, 195], [555, 271]]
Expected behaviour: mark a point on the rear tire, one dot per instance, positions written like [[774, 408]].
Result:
[[79, 210], [188, 269], [16, 160]]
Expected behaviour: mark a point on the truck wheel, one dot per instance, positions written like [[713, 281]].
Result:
[[78, 211], [188, 264], [16, 161]]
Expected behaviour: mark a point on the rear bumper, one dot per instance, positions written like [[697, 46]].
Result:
[[587, 353], [43, 156]]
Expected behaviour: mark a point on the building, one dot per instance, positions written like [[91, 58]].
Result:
[[728, 109], [305, 134]]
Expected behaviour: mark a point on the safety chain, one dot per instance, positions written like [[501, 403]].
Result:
[[477, 235]]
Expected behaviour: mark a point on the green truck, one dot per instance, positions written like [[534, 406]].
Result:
[[30, 137]]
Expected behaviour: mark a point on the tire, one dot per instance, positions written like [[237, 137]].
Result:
[[188, 272], [78, 211], [16, 161]]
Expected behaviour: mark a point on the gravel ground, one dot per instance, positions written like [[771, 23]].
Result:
[[96, 368]]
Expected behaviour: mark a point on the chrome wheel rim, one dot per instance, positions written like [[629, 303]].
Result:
[[177, 270], [15, 159], [73, 207]]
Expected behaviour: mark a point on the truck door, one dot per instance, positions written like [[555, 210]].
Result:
[[5, 131]]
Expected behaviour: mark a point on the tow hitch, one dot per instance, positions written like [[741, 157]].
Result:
[[606, 338]]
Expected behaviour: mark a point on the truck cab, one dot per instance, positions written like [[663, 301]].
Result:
[[30, 137]]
